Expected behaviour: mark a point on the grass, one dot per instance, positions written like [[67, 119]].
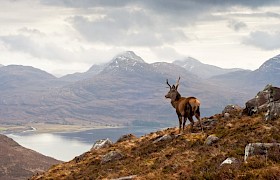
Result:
[[185, 156]]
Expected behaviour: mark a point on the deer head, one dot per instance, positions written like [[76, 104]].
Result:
[[173, 94]]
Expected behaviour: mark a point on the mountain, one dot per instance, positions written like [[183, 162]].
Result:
[[202, 70], [17, 77], [127, 91], [166, 154], [18, 162], [124, 91], [252, 81], [93, 70]]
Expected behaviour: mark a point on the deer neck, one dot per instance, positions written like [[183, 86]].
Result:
[[175, 102]]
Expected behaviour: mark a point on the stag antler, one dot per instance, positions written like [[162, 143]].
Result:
[[168, 83], [177, 83]]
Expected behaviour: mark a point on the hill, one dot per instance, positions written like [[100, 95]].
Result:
[[252, 81], [168, 155], [18, 162], [202, 70]]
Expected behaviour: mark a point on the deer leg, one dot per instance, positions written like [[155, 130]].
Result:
[[180, 123], [198, 118], [184, 122], [192, 123]]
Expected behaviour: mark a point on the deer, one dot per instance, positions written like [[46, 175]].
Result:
[[186, 107]]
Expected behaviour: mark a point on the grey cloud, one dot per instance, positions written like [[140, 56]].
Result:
[[127, 27], [263, 40], [236, 25], [37, 48]]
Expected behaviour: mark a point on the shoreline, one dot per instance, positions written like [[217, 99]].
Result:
[[49, 128]]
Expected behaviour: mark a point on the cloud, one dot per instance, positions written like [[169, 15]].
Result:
[[236, 25], [263, 40], [126, 27]]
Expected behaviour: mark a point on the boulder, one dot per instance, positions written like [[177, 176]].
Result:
[[103, 143], [230, 160], [111, 156], [232, 109], [163, 138], [211, 139], [267, 101], [259, 149]]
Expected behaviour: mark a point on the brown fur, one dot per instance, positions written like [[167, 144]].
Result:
[[186, 108]]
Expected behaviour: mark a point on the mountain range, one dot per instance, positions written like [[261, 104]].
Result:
[[124, 91], [202, 70]]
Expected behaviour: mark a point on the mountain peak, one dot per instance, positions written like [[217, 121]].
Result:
[[273, 64], [128, 55]]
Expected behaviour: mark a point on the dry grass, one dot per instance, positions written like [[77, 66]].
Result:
[[183, 157]]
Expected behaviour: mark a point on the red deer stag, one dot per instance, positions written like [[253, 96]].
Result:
[[185, 107]]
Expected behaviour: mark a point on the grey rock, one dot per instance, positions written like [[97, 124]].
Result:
[[267, 101], [111, 156], [227, 116], [231, 108], [211, 140], [258, 149], [163, 138], [230, 160], [126, 177], [103, 143]]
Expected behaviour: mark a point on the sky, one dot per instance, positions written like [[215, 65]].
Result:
[[67, 36]]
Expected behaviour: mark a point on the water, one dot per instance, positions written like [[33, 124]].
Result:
[[65, 146]]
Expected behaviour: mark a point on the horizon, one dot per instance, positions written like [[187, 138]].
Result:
[[61, 75], [64, 37]]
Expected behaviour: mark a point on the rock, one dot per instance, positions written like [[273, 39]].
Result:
[[126, 177], [163, 138], [258, 149], [211, 139], [103, 143], [126, 137], [209, 123], [230, 160], [267, 101], [227, 116], [111, 156], [232, 109]]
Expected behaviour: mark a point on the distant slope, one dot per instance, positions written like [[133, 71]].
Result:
[[19, 163], [18, 77], [202, 70], [252, 81], [124, 91]]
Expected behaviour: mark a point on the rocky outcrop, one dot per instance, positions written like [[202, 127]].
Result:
[[259, 149], [103, 143], [266, 101]]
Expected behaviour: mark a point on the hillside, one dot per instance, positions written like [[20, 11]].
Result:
[[167, 155], [19, 163], [251, 81], [202, 70]]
